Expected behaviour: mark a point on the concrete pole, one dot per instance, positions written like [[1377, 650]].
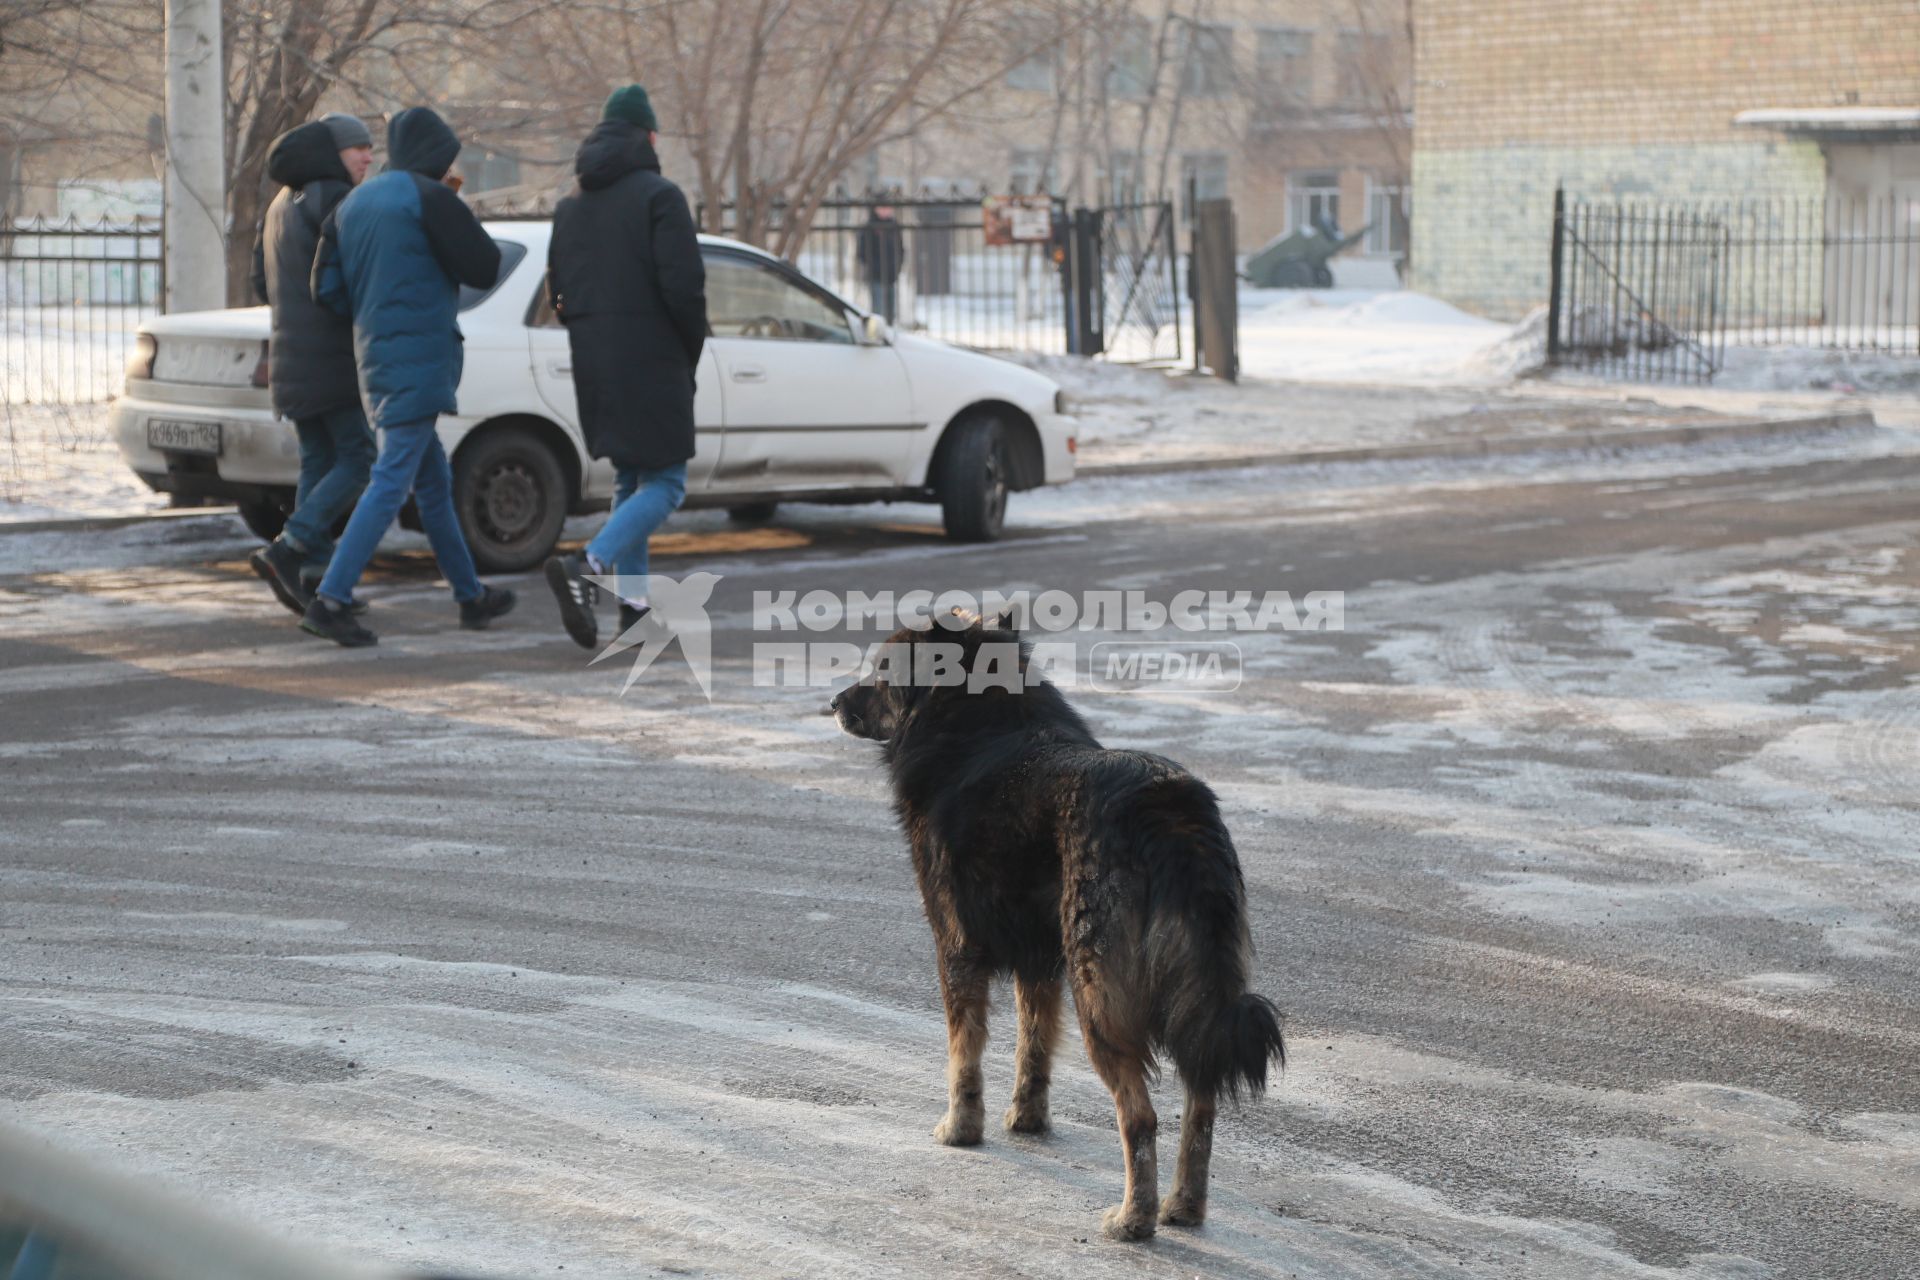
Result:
[[196, 191]]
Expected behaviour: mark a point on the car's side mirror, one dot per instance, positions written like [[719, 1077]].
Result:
[[875, 332]]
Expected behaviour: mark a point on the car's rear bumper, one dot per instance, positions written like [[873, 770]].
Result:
[[259, 453]]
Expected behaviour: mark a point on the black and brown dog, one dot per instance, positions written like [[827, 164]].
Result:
[[1043, 855]]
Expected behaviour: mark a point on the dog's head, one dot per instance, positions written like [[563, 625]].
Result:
[[962, 655]]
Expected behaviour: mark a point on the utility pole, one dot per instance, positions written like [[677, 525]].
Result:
[[196, 191]]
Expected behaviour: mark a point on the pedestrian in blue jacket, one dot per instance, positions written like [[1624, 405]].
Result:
[[393, 255]]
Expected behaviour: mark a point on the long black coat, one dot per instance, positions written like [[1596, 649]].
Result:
[[310, 365], [626, 277]]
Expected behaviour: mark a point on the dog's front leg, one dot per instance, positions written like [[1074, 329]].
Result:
[[1039, 1009], [963, 986]]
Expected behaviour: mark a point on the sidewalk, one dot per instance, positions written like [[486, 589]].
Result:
[[1139, 420]]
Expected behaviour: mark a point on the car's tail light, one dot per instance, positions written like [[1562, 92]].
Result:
[[262, 370], [1073, 444], [145, 351]]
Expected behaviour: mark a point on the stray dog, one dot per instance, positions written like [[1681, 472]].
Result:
[[1042, 854]]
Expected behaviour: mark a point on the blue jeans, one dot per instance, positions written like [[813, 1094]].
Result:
[[411, 461], [642, 501], [336, 457]]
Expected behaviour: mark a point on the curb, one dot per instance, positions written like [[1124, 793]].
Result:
[[1501, 446], [91, 524]]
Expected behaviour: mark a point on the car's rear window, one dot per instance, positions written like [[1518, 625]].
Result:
[[511, 253]]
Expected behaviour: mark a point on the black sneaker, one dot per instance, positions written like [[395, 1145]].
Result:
[[567, 576], [335, 622], [494, 602], [630, 616], [355, 606], [279, 566]]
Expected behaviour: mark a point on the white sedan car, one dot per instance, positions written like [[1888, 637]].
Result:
[[802, 398]]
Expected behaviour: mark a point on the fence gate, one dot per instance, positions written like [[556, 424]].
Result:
[[1638, 290], [1126, 286]]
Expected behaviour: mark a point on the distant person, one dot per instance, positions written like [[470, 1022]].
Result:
[[393, 255], [310, 370], [625, 277], [879, 253]]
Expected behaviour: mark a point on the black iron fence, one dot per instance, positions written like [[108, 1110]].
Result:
[[1658, 290], [1103, 281], [72, 296]]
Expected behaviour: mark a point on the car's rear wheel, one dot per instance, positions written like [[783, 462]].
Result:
[[511, 495], [264, 519], [973, 481], [752, 512]]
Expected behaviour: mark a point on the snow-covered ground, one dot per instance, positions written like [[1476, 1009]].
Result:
[[59, 461]]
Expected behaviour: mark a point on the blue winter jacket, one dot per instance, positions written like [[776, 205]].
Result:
[[393, 255]]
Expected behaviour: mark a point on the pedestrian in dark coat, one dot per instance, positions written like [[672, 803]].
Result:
[[879, 252], [393, 255], [625, 277], [310, 357]]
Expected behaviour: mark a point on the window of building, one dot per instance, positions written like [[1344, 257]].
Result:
[[1283, 61], [1313, 200], [1203, 176], [1206, 60], [1031, 172], [1364, 71], [1389, 218], [1130, 64], [1121, 176], [1038, 51]]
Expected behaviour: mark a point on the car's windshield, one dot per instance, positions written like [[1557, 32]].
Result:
[[511, 253]]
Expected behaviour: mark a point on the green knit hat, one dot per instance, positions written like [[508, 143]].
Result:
[[631, 104]]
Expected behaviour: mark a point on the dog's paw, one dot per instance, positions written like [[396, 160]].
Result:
[[1120, 1223], [1183, 1211], [959, 1131], [1027, 1119]]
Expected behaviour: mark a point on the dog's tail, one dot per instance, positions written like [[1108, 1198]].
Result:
[[1220, 1035]]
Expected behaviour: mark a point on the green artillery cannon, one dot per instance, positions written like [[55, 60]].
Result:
[[1299, 259]]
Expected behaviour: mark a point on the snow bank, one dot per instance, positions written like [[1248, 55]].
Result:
[[1334, 335]]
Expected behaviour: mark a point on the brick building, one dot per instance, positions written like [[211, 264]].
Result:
[[1694, 99], [1297, 109]]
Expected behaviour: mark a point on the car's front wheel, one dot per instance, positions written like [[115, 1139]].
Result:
[[973, 481], [511, 494]]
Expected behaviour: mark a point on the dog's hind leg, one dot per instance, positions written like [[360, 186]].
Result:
[[1132, 1218], [964, 989], [1039, 1009], [1187, 1206]]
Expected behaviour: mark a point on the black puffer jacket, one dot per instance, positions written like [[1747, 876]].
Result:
[[625, 272], [311, 365]]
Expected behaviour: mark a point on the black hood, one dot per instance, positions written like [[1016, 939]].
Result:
[[419, 141], [613, 150], [306, 153]]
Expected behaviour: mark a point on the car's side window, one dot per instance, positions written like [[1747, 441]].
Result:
[[748, 300], [541, 315]]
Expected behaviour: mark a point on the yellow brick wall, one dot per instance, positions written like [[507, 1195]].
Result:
[[1572, 72]]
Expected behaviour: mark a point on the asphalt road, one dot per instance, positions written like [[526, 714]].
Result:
[[1583, 863]]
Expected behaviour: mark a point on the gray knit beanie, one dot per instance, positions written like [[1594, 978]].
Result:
[[347, 131]]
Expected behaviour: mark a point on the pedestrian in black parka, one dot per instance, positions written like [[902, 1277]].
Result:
[[310, 362], [625, 277]]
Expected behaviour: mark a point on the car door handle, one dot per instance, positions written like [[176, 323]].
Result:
[[559, 370], [749, 373]]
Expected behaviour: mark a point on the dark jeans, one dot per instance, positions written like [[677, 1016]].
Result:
[[886, 298], [412, 461], [336, 457]]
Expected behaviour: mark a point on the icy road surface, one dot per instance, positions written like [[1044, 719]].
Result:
[[1583, 863]]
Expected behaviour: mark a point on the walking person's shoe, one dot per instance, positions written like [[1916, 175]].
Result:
[[493, 602], [355, 606], [567, 575], [279, 566], [630, 616], [333, 621]]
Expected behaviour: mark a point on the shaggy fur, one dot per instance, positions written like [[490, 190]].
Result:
[[1043, 855]]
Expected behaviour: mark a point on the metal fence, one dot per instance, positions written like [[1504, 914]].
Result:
[[72, 296], [951, 284], [1654, 290]]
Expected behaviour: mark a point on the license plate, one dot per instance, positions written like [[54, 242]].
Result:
[[176, 436]]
